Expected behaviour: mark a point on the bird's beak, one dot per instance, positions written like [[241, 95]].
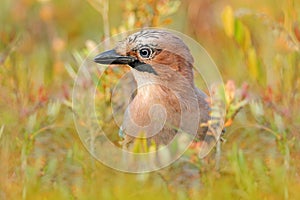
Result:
[[112, 57]]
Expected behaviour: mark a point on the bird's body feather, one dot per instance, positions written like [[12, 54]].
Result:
[[166, 95]]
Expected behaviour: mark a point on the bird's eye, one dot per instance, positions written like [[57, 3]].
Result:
[[145, 52]]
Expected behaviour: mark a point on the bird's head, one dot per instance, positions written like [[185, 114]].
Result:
[[153, 54]]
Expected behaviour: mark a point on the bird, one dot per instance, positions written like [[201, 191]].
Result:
[[167, 100]]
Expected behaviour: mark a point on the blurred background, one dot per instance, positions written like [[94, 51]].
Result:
[[255, 44]]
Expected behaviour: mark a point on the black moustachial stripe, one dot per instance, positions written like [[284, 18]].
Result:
[[143, 67]]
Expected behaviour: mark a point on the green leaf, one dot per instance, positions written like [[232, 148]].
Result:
[[239, 32]]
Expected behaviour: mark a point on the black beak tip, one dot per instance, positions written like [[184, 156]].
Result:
[[112, 57], [102, 58], [97, 59]]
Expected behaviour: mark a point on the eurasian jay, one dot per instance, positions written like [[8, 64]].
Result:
[[162, 67]]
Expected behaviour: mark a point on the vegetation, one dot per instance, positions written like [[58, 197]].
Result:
[[255, 45]]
